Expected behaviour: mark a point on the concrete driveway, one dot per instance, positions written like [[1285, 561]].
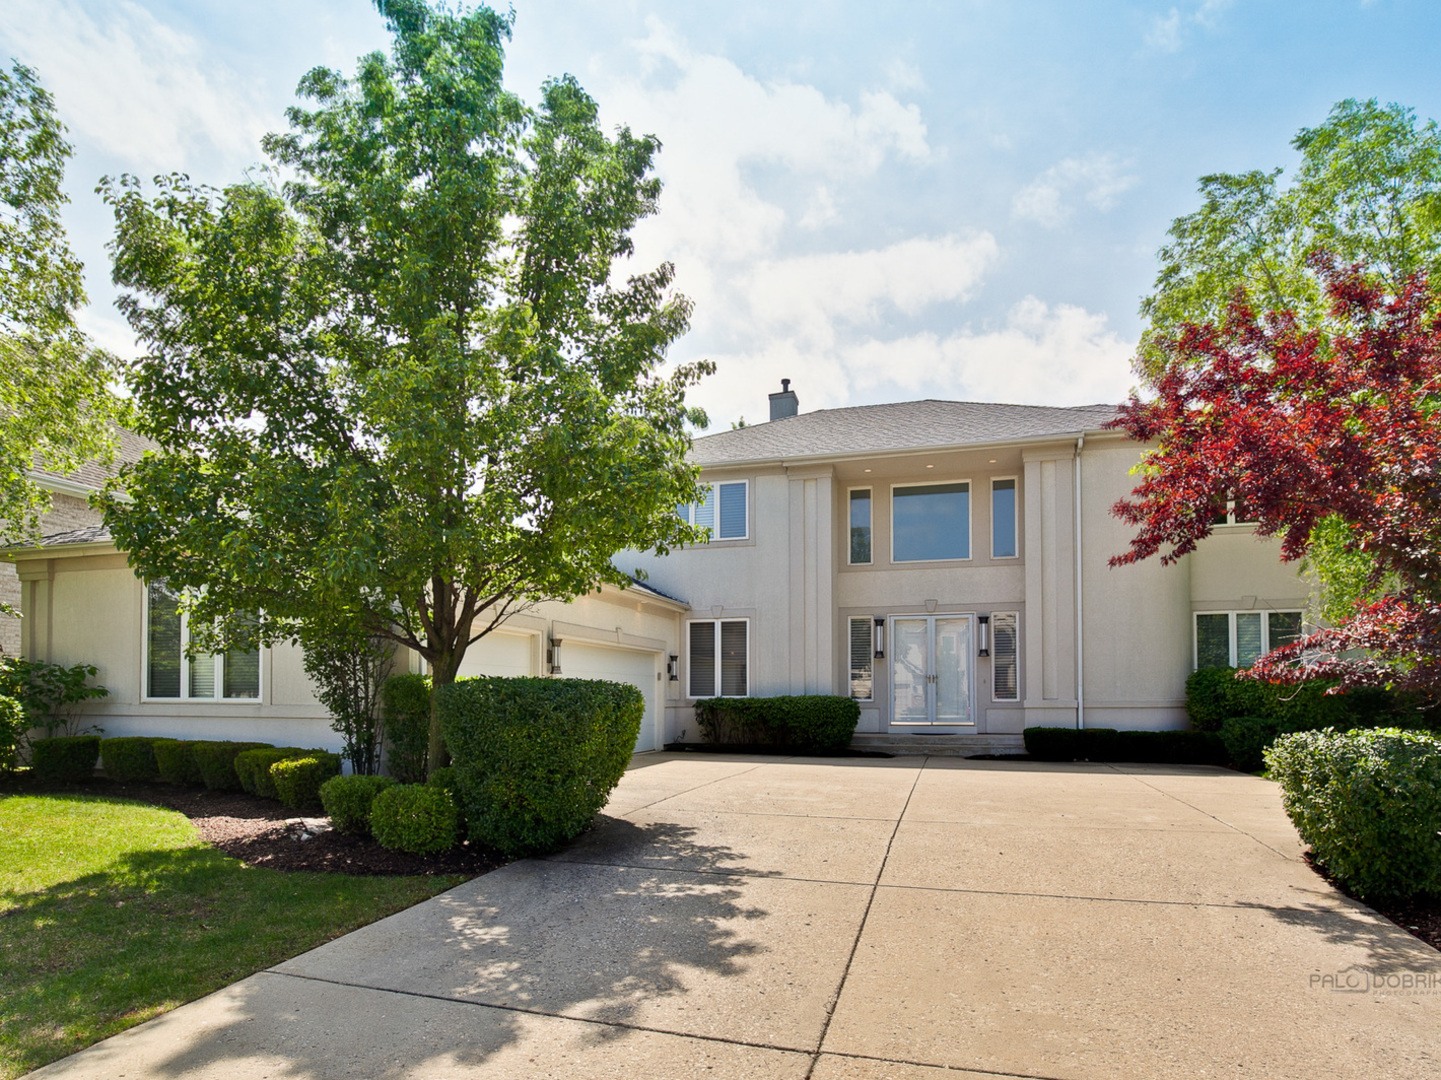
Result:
[[853, 918]]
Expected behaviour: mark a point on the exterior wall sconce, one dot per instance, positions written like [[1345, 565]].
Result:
[[880, 637], [554, 658], [672, 668], [983, 635]]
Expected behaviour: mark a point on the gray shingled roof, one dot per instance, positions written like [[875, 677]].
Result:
[[129, 447], [905, 425], [90, 534]]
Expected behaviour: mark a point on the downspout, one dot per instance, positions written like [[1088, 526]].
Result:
[[1080, 622]]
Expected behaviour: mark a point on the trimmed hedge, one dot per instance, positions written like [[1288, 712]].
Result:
[[536, 758], [14, 723], [419, 818], [298, 780], [1214, 695], [215, 759], [810, 722], [253, 767], [1369, 805], [445, 778], [1108, 744], [405, 708], [65, 759], [347, 801], [129, 758], [175, 761]]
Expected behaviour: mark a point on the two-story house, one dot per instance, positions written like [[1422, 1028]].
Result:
[[944, 563]]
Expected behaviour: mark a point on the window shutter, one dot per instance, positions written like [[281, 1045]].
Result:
[[733, 659], [732, 511], [162, 646], [862, 659], [1005, 657], [702, 659], [705, 511]]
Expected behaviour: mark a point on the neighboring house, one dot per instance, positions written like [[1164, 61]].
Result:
[[944, 563]]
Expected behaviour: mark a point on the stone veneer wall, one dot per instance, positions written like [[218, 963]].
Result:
[[66, 512]]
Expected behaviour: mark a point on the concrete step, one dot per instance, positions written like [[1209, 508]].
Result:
[[945, 745]]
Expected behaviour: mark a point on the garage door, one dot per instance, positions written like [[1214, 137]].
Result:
[[585, 661], [498, 653]]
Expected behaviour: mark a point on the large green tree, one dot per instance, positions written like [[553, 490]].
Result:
[[55, 402], [409, 387]]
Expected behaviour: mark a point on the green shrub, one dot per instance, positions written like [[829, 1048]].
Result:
[[1215, 695], [418, 818], [175, 761], [405, 708], [253, 767], [347, 800], [1369, 805], [297, 780], [1247, 737], [53, 696], [65, 759], [445, 778], [1052, 743], [1107, 744], [536, 758], [128, 759], [1208, 692], [216, 761], [14, 723], [809, 722]]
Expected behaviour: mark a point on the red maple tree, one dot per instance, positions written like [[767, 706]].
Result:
[[1297, 426]]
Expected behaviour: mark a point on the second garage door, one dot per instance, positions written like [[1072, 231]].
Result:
[[585, 661]]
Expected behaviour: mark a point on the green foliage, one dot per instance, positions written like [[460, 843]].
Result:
[[1369, 805], [466, 399], [65, 759], [347, 800], [55, 402], [419, 818], [1344, 573], [298, 780], [1215, 694], [51, 693], [1368, 190], [253, 767], [1247, 737], [346, 666], [806, 722], [128, 759], [1108, 744], [216, 761], [14, 722], [535, 758], [444, 778], [405, 709], [175, 761]]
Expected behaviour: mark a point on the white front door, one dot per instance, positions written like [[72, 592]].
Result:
[[931, 669]]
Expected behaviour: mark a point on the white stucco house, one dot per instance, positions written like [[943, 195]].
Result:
[[944, 563]]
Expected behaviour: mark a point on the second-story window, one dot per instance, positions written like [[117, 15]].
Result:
[[931, 521], [860, 526], [722, 511], [1003, 519]]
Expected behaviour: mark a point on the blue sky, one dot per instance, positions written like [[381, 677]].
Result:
[[957, 200]]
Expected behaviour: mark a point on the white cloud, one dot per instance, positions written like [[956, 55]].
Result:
[[904, 77], [1099, 179], [135, 88], [1167, 33]]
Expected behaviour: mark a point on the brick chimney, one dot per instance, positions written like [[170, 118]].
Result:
[[785, 403]]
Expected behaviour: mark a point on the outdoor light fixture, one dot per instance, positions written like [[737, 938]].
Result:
[[983, 635], [880, 637], [554, 656], [672, 668]]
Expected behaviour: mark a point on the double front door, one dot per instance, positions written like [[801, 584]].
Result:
[[931, 672]]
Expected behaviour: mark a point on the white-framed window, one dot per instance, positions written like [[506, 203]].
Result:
[[718, 658], [232, 675], [863, 652], [1005, 540], [1240, 638], [1005, 656], [724, 510], [1235, 513], [860, 519], [931, 522]]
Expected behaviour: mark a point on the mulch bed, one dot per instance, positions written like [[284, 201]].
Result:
[[255, 831], [1420, 916]]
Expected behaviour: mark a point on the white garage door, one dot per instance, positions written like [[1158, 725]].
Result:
[[584, 661], [499, 653]]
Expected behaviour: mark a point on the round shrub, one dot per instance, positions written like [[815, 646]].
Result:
[[175, 761], [347, 801], [216, 762], [128, 759], [14, 722], [535, 758], [414, 817], [1369, 805], [65, 759], [253, 767], [405, 708], [297, 780]]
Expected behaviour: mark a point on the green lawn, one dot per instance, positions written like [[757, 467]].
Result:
[[112, 912]]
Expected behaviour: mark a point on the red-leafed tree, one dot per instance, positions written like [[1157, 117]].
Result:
[[1327, 437]]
